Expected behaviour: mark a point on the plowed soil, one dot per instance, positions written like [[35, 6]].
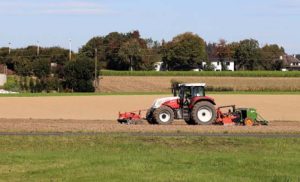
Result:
[[99, 114], [27, 125], [272, 107]]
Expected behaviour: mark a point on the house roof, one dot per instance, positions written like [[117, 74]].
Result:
[[290, 59]]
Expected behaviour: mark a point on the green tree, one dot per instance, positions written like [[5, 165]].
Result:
[[131, 54], [79, 75], [32, 85], [41, 67], [184, 52], [247, 55], [88, 50], [270, 57], [23, 66], [211, 49], [38, 86], [223, 51], [114, 42], [116, 50]]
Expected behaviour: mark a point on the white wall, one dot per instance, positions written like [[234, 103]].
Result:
[[157, 66], [218, 65], [3, 79], [295, 64], [230, 65]]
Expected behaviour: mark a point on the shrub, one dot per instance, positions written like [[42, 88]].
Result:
[[12, 84]]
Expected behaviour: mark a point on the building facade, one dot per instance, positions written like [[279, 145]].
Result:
[[227, 65]]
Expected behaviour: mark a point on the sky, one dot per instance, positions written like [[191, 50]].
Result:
[[55, 22]]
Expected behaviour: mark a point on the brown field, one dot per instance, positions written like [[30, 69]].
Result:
[[99, 113], [33, 125], [162, 84], [272, 107]]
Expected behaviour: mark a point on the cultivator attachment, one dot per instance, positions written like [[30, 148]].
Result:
[[130, 117]]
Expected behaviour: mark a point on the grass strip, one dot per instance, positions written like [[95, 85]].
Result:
[[148, 158]]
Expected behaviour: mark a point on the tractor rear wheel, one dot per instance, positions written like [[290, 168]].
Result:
[[163, 115], [190, 122], [204, 113]]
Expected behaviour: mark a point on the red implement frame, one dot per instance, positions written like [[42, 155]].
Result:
[[226, 118], [133, 117]]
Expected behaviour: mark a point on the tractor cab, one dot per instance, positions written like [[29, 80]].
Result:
[[187, 91]]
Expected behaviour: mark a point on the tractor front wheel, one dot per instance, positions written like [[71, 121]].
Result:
[[149, 117], [203, 113], [163, 115]]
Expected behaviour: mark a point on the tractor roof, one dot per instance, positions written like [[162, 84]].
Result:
[[192, 84]]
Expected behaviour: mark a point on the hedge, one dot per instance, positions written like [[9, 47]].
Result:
[[204, 73]]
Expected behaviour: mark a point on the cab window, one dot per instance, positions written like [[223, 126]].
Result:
[[198, 91]]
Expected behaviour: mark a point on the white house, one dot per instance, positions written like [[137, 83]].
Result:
[[229, 65], [218, 66], [291, 63], [158, 66]]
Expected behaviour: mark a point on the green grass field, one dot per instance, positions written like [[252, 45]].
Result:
[[204, 73], [108, 157]]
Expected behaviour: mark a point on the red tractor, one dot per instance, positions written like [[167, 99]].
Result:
[[192, 105], [189, 103]]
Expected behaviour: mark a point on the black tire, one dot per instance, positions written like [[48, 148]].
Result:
[[204, 113], [190, 122], [149, 117], [163, 115]]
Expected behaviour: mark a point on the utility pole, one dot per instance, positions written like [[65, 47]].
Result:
[[70, 49], [96, 68], [9, 44], [38, 48]]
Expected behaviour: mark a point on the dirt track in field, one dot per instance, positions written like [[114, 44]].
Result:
[[20, 126], [272, 107]]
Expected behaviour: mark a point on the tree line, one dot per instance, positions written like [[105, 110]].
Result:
[[51, 68], [184, 52]]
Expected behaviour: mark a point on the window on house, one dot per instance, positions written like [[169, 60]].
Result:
[[227, 63], [218, 63]]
